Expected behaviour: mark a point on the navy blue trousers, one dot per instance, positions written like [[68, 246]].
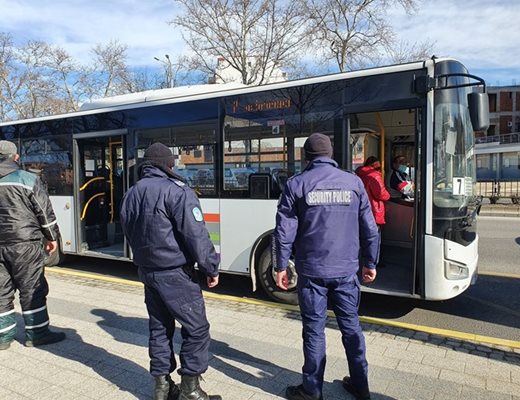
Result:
[[343, 294], [175, 295]]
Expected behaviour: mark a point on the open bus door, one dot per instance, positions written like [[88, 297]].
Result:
[[100, 183], [384, 135]]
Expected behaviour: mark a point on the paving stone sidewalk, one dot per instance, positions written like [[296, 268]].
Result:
[[500, 210], [255, 353]]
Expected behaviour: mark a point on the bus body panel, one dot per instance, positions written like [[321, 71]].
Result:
[[64, 210], [246, 221], [211, 211], [437, 251]]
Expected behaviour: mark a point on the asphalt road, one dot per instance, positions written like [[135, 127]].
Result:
[[490, 308], [499, 246]]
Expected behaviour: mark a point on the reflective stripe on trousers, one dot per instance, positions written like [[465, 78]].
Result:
[[36, 323], [21, 268], [7, 326]]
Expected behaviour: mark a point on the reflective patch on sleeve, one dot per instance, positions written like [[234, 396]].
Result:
[[197, 214], [329, 197]]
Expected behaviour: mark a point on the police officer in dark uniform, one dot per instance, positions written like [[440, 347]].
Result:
[[26, 220], [163, 221], [324, 218]]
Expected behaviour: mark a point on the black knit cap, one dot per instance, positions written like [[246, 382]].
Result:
[[159, 154], [317, 145]]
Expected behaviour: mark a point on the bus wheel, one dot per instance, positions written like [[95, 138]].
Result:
[[55, 258], [267, 278]]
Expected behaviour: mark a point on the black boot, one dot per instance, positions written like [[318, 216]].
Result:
[[165, 388], [49, 338], [358, 393], [299, 393], [191, 390], [162, 388]]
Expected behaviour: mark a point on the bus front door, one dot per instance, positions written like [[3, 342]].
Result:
[[384, 135], [100, 184]]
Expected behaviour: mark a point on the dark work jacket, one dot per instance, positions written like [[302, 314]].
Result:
[[324, 216], [162, 219], [25, 208]]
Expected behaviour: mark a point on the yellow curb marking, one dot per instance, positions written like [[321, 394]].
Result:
[[372, 320], [62, 271]]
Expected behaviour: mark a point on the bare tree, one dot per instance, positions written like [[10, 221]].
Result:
[[39, 79], [178, 70], [30, 83], [109, 74], [405, 51], [254, 37], [352, 33], [8, 71]]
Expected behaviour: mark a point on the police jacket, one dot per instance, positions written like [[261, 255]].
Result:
[[25, 208], [325, 219], [376, 190], [163, 221]]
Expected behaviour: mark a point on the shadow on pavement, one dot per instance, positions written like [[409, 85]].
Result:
[[225, 358], [125, 374]]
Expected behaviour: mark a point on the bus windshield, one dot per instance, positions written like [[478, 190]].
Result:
[[453, 169]]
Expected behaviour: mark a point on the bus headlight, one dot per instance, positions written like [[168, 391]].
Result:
[[454, 271]]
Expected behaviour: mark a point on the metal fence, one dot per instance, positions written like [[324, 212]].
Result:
[[495, 190], [502, 139]]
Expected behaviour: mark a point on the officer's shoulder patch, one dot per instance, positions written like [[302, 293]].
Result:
[[197, 214], [178, 182]]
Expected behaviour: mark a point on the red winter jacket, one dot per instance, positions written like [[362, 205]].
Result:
[[376, 190]]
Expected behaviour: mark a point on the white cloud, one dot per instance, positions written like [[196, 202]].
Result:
[[78, 26], [484, 35]]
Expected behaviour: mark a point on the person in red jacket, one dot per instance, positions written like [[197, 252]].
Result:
[[370, 174]]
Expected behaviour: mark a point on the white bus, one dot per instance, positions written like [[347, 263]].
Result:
[[237, 145]]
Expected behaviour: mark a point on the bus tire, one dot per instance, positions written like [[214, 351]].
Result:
[[55, 258], [266, 276]]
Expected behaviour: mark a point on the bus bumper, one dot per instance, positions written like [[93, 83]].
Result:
[[450, 268]]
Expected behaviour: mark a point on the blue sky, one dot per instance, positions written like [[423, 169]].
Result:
[[484, 35]]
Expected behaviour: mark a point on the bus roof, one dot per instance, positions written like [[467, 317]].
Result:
[[199, 92]]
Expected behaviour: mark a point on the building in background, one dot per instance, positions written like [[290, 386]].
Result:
[[498, 150]]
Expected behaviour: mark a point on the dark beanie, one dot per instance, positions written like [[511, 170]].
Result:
[[317, 145], [159, 154]]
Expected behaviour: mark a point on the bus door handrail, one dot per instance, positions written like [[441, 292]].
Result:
[[97, 178], [88, 203]]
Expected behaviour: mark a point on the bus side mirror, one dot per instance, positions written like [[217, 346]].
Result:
[[478, 104]]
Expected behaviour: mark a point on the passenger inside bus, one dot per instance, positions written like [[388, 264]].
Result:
[[401, 184]]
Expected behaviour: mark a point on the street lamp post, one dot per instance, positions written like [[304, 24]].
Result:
[[168, 70]]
